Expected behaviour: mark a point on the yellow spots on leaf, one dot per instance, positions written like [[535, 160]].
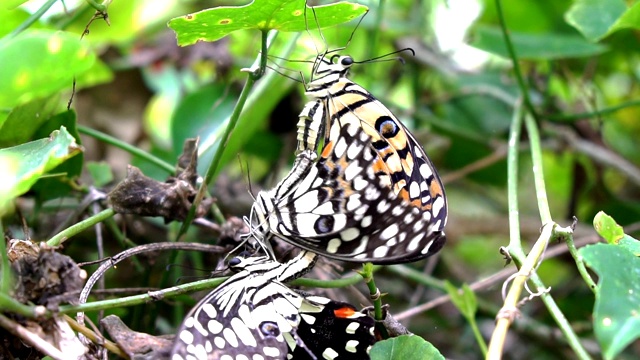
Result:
[[297, 12], [189, 17], [225, 22], [22, 79], [607, 321], [54, 45]]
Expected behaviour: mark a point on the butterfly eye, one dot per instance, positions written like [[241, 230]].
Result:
[[235, 261], [346, 61]]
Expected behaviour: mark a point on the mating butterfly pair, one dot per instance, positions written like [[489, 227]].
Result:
[[371, 196]]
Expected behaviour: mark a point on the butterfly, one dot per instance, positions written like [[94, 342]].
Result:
[[254, 315], [336, 205]]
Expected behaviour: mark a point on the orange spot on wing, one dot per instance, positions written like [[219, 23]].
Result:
[[344, 312], [328, 149]]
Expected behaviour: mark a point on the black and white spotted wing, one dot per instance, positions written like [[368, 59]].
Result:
[[248, 315], [339, 208], [335, 331], [400, 162]]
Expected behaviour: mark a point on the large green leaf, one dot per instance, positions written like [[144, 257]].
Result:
[[24, 164], [214, 24], [40, 63], [405, 347], [595, 18], [536, 46], [616, 316]]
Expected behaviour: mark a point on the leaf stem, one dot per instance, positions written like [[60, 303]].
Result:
[[99, 7], [63, 235], [5, 272], [512, 178], [31, 19], [206, 284], [254, 75], [416, 276], [509, 310], [538, 173], [514, 59], [142, 298], [9, 304], [592, 114], [582, 269], [128, 148]]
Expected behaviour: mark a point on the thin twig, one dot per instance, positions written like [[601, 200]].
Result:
[[135, 251], [95, 338], [490, 281], [79, 227]]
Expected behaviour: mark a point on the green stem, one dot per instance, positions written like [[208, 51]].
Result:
[[374, 292], [582, 269], [376, 297], [331, 284], [512, 179], [207, 284], [142, 298], [538, 173], [99, 7], [32, 19], [558, 316], [126, 147], [9, 304], [79, 227], [375, 33], [597, 113], [5, 272], [514, 59], [416, 276], [478, 335]]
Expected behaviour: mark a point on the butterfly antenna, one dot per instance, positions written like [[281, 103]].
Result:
[[384, 57], [354, 30]]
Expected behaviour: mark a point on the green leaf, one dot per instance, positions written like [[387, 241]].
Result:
[[535, 46], [405, 347], [24, 164], [40, 63], [214, 24], [608, 228], [61, 179], [629, 20], [465, 301], [616, 316], [100, 173], [24, 120], [196, 115], [595, 18]]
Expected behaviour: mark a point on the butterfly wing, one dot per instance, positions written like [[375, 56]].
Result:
[[333, 330], [341, 210]]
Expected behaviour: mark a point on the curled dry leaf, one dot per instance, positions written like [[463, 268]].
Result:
[[136, 344], [141, 195]]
